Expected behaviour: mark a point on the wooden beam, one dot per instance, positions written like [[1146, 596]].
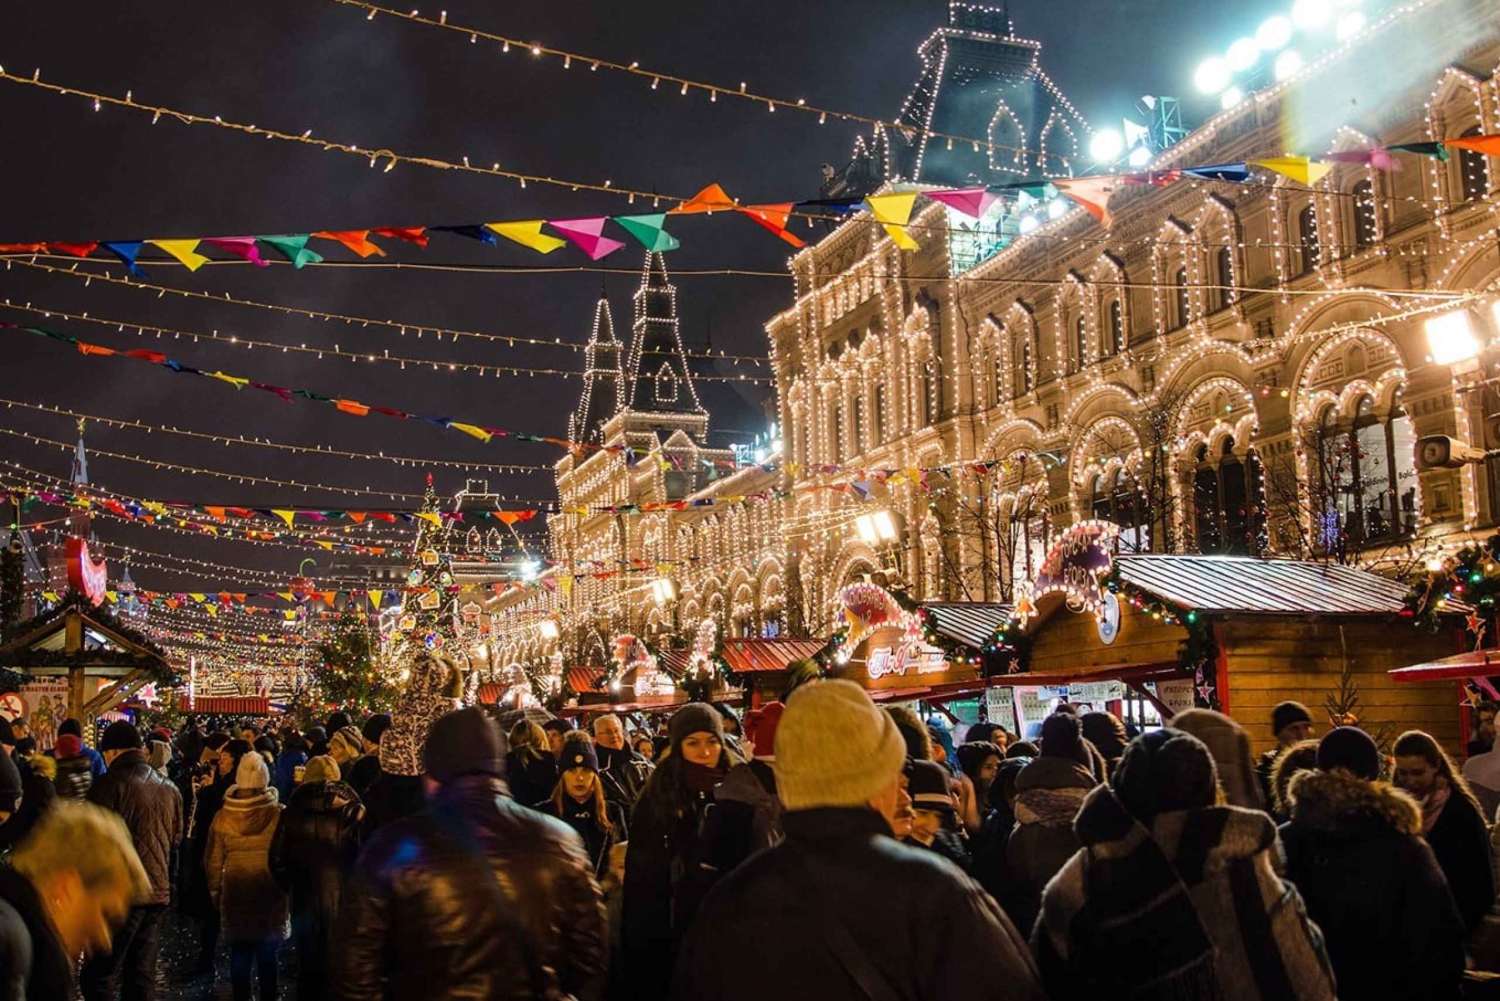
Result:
[[115, 694]]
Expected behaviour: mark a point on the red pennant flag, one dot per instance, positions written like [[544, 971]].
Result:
[[352, 407], [154, 357], [774, 217], [389, 519], [22, 248], [411, 234], [76, 249]]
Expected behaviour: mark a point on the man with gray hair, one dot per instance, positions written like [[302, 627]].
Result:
[[622, 771]]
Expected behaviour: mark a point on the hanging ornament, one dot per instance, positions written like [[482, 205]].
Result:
[[429, 601], [429, 557]]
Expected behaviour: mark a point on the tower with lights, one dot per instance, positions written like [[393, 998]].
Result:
[[604, 385]]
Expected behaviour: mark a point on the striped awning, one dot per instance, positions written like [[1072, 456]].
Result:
[[749, 656], [1244, 585], [972, 623], [229, 705]]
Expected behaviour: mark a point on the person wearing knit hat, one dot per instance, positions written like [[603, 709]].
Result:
[[840, 876], [933, 812], [760, 729], [1354, 847], [345, 746], [1163, 862], [1291, 724], [363, 772], [578, 800], [253, 908], [74, 778], [312, 854], [1228, 742], [664, 880], [747, 810]]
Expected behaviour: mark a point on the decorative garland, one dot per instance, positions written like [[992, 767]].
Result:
[[163, 672], [1472, 575]]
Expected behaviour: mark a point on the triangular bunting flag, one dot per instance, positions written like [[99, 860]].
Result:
[[411, 234], [892, 211], [1299, 168], [358, 517], [774, 218], [294, 248], [587, 235], [430, 516], [1434, 149], [1092, 193], [528, 234], [1239, 173], [472, 232], [1489, 145], [240, 246], [77, 250], [972, 202], [376, 597], [711, 199], [353, 407], [648, 230], [472, 431], [1378, 158], [284, 515], [357, 240], [185, 251], [126, 250]]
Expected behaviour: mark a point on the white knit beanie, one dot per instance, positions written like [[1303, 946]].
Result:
[[834, 747], [252, 773]]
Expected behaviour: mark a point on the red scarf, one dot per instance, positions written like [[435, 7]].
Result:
[[701, 779]]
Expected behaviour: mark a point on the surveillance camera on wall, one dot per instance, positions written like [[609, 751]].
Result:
[[1438, 451]]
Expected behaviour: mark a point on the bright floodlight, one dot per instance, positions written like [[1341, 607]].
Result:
[[1231, 97], [1450, 338], [1029, 224], [1274, 33], [1350, 25], [1057, 208], [1311, 15], [663, 590], [1140, 156], [1288, 63], [877, 528], [1242, 54], [1106, 146], [1212, 75], [548, 629], [1495, 308]]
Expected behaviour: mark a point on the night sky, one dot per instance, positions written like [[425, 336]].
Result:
[[73, 174]]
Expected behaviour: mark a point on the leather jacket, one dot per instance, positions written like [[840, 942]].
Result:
[[623, 773], [474, 897]]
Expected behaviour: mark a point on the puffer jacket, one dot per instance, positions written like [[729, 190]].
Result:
[[1049, 793], [1355, 851], [1200, 887], [152, 808], [427, 902], [314, 849], [923, 928], [252, 908]]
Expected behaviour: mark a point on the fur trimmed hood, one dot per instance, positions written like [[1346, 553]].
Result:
[[1344, 805]]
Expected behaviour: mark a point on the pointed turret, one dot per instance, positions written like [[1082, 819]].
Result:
[[603, 379], [659, 378]]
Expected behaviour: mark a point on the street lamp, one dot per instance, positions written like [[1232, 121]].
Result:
[[1450, 338], [876, 529], [548, 629], [663, 590]]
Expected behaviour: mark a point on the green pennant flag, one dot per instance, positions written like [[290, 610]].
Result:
[[647, 229], [294, 248], [1426, 149]]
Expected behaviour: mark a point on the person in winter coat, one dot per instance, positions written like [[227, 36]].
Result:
[[74, 776], [840, 911], [37, 791], [1291, 724], [980, 761], [1233, 757], [362, 774], [74, 878], [1301, 757], [987, 848], [1354, 850], [312, 854], [933, 811], [1049, 792], [664, 875], [432, 691], [96, 760], [578, 801], [530, 768], [220, 758], [346, 746], [152, 809], [1451, 823], [747, 815], [252, 907], [1107, 734], [292, 757], [1162, 861], [475, 896], [622, 770]]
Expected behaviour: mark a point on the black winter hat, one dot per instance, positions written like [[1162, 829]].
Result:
[[927, 782], [972, 754], [1022, 749], [1287, 713], [337, 721], [120, 736], [1163, 771], [375, 727], [1349, 747], [1107, 733], [1062, 737], [70, 725], [695, 717], [465, 742], [578, 752]]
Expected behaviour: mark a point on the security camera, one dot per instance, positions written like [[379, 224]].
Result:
[[1438, 451]]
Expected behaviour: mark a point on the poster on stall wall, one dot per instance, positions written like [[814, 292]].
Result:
[[1032, 706], [1176, 694], [1000, 708], [46, 707]]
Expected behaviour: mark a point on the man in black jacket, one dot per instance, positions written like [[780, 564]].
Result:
[[475, 895], [840, 909], [152, 809], [622, 771]]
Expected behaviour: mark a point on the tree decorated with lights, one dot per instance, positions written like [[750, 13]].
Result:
[[349, 677], [427, 618]]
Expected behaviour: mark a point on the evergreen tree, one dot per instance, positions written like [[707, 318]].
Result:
[[12, 587], [349, 677], [427, 609]]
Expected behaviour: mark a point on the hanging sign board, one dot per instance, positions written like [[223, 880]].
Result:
[[1073, 567], [1176, 694]]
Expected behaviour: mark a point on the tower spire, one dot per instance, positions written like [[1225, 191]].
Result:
[[660, 381], [603, 378]]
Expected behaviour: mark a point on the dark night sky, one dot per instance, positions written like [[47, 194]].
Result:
[[294, 64]]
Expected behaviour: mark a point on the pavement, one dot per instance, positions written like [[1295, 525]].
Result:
[[177, 981]]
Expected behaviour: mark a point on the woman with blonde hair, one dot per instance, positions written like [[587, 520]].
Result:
[[530, 768], [578, 801], [1451, 823]]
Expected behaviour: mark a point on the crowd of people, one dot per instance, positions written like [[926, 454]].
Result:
[[825, 847]]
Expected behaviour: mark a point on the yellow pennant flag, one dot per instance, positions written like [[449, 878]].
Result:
[[234, 381], [472, 430], [376, 597], [893, 211], [50, 595], [289, 615], [185, 251], [113, 596], [199, 598], [211, 610], [286, 596], [1301, 169], [430, 516], [285, 516], [325, 544], [527, 234], [565, 585]]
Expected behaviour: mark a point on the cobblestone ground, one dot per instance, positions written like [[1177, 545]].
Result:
[[176, 979]]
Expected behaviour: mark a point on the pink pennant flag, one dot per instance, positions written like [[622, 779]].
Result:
[[971, 202], [588, 235], [1379, 158], [239, 246]]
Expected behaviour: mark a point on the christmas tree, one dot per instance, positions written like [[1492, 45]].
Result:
[[427, 619], [348, 677]]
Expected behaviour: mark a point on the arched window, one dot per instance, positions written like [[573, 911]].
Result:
[[1369, 476], [1474, 169], [1135, 529], [1307, 238], [1224, 276], [1023, 367], [1099, 506], [836, 439], [1207, 513], [1365, 226], [1116, 327], [1182, 303], [1080, 341]]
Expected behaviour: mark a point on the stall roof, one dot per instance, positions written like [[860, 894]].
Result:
[[748, 656], [972, 623], [1475, 664], [581, 679], [1245, 585]]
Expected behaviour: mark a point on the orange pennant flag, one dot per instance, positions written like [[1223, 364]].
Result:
[[507, 518], [358, 517], [357, 240], [328, 597], [352, 407], [711, 199], [85, 348], [1479, 144], [216, 512], [774, 218]]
